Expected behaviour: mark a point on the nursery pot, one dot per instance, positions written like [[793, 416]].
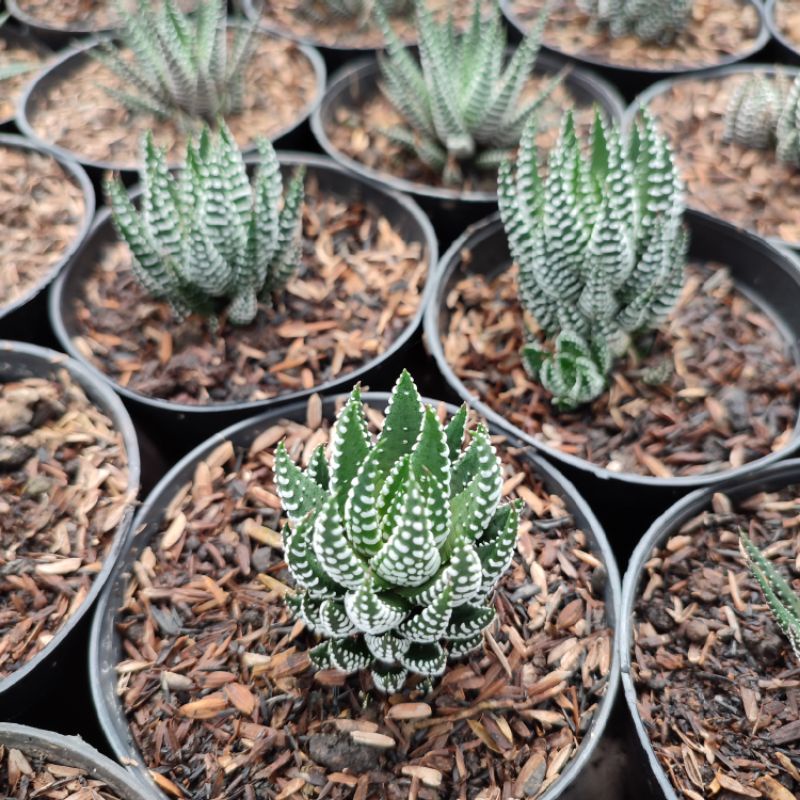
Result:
[[32, 683], [625, 502], [771, 478], [25, 318], [186, 424], [633, 80], [21, 39], [450, 209], [105, 649], [70, 751], [788, 48]]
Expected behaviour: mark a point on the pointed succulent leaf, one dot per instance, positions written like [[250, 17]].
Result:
[[317, 469], [389, 679], [320, 656], [496, 548], [303, 565], [332, 549], [402, 423], [299, 493], [468, 620], [349, 655], [425, 659], [463, 647], [372, 612], [387, 646], [430, 624], [349, 445], [332, 620]]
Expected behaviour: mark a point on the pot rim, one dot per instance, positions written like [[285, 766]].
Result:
[[775, 30]]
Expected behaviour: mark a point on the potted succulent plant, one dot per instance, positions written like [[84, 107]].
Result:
[[69, 474], [20, 56], [390, 640], [634, 42], [169, 72], [433, 128], [602, 346], [710, 616], [783, 18]]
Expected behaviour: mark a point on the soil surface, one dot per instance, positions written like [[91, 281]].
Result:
[[17, 51], [718, 29], [221, 699], [279, 84], [731, 394], [357, 288], [95, 15], [718, 687], [748, 187], [63, 491], [41, 211], [787, 15]]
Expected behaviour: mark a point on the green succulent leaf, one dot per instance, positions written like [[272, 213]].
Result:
[[658, 22]]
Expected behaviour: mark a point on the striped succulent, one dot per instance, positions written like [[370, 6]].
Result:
[[788, 128], [751, 116], [783, 601], [395, 545], [181, 65], [207, 238], [360, 10], [460, 102], [600, 248], [649, 21]]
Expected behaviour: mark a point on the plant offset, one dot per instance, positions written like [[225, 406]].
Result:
[[394, 545], [649, 21]]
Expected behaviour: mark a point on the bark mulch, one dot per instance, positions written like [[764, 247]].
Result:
[[17, 51], [221, 699], [87, 14], [787, 15], [731, 394], [358, 286], [719, 28], [718, 686], [41, 211], [63, 491], [745, 186], [77, 114], [26, 776]]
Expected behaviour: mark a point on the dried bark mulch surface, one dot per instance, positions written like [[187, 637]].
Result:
[[731, 397], [86, 14], [719, 28], [63, 491], [787, 15], [745, 186], [356, 132], [41, 211], [718, 687], [358, 286], [26, 776], [221, 698], [77, 114], [17, 51]]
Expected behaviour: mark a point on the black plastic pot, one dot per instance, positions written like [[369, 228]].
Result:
[[30, 685], [631, 80], [25, 319], [768, 479], [71, 751], [627, 503], [647, 97], [20, 39], [788, 49], [187, 425], [105, 649], [449, 209], [296, 134]]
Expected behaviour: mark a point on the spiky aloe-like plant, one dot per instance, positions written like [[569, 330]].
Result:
[[783, 601], [395, 545], [600, 247], [207, 238], [181, 65], [461, 102], [752, 113], [788, 127], [649, 21]]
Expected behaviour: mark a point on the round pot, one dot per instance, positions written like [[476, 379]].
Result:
[[20, 39], [632, 80], [105, 649], [770, 478], [646, 97], [449, 209], [295, 134], [31, 684], [788, 48], [766, 275], [25, 318], [190, 424], [71, 751]]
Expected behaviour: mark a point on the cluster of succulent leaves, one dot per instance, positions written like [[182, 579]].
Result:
[[182, 66], [600, 247], [783, 601], [208, 240], [394, 545], [12, 69], [360, 10], [462, 101], [649, 21]]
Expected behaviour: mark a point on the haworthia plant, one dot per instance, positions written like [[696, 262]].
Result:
[[359, 10], [788, 127], [209, 240], [600, 246], [649, 21], [395, 544], [182, 65], [461, 102], [752, 113], [783, 601]]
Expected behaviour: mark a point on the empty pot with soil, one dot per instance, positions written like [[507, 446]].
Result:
[[708, 676], [69, 475], [21, 56], [523, 711], [46, 208]]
